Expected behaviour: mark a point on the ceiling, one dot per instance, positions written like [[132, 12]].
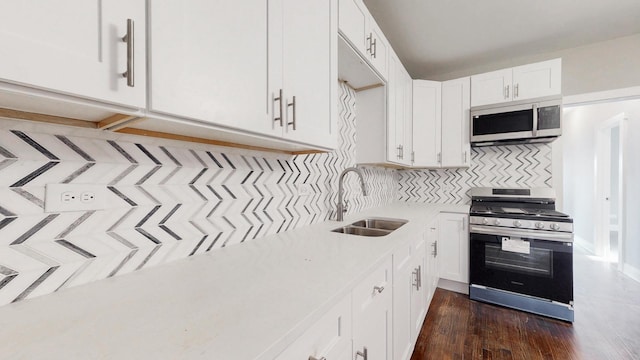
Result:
[[437, 37]]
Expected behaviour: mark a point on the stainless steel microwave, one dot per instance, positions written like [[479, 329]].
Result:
[[526, 121]]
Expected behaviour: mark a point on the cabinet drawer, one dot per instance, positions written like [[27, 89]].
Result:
[[376, 284], [329, 337]]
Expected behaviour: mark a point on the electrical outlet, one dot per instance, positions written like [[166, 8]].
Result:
[[74, 197]]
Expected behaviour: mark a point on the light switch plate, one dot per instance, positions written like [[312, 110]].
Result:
[[74, 197]]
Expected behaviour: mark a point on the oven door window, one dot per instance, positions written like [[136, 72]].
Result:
[[539, 262]]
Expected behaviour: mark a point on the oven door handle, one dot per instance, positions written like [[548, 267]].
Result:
[[530, 234]]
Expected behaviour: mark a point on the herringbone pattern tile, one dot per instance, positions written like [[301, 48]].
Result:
[[494, 166], [163, 203]]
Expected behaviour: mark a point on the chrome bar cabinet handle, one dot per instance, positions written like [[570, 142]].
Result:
[[293, 106], [369, 47], [363, 353], [279, 100], [315, 358], [507, 94], [374, 48], [378, 289], [128, 38], [535, 120]]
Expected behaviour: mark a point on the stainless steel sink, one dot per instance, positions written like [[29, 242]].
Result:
[[384, 224], [354, 230], [371, 227]]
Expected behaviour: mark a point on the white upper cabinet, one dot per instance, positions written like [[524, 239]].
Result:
[[273, 73], [518, 83], [537, 80], [309, 71], [456, 104], [491, 88], [359, 27], [426, 123], [378, 48], [75, 47], [208, 66], [399, 120], [353, 18], [441, 123]]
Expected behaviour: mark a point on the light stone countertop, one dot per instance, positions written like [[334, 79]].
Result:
[[246, 301]]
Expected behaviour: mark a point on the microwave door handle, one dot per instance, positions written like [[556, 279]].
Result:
[[535, 120]]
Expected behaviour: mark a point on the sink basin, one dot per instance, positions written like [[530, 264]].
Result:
[[354, 230], [371, 227], [384, 224]]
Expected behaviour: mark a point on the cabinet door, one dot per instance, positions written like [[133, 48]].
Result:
[[403, 283], [330, 337], [418, 290], [352, 23], [200, 71], [75, 47], [408, 155], [491, 88], [378, 48], [453, 247], [537, 80], [426, 123], [395, 128], [432, 260], [372, 319], [309, 67], [456, 148]]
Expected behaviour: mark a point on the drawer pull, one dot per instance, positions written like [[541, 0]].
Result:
[[315, 358], [378, 289]]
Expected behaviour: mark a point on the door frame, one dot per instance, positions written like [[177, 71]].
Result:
[[602, 187]]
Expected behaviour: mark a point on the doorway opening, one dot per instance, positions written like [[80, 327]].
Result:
[[609, 179]]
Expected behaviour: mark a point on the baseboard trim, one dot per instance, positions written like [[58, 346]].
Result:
[[456, 286], [631, 271]]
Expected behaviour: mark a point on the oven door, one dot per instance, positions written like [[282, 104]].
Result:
[[524, 262]]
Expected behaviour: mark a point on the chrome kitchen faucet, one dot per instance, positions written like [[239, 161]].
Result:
[[342, 207]]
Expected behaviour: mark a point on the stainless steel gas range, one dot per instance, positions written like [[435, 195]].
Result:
[[521, 251]]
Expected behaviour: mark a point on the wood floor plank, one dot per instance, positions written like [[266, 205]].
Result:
[[607, 326]]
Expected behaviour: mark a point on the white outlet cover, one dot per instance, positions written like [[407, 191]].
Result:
[[53, 197]]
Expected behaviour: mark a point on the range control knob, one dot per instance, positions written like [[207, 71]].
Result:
[[496, 222], [555, 227], [540, 225], [485, 221], [517, 223]]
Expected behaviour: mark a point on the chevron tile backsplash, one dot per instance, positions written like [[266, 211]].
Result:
[[165, 200], [494, 166]]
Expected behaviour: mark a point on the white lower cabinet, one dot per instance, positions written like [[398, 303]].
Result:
[[453, 247], [382, 317], [329, 338], [432, 273], [372, 315], [409, 296]]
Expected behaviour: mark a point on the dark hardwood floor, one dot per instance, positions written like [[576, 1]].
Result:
[[607, 323]]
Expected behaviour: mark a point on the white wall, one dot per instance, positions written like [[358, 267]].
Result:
[[607, 65], [578, 149]]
